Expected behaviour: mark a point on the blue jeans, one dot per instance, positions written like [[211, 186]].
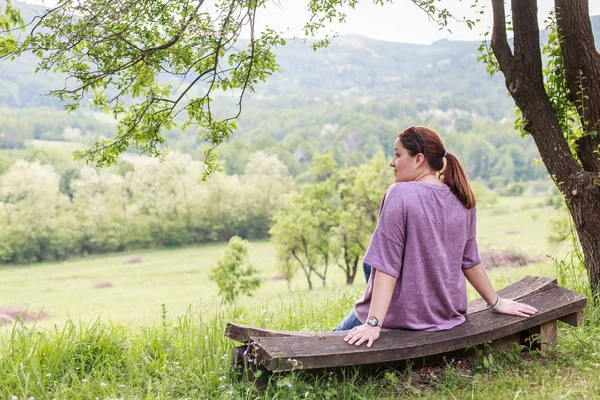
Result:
[[351, 321], [367, 271]]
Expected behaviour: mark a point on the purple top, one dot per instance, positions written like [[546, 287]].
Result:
[[424, 237]]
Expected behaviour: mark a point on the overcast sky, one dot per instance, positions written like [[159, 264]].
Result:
[[401, 21]]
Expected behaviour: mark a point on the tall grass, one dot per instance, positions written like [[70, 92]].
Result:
[[191, 359]]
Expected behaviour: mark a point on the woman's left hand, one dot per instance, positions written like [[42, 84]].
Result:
[[363, 333]]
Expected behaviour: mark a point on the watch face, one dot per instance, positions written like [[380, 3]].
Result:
[[372, 321]]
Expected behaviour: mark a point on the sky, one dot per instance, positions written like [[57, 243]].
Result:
[[401, 21]]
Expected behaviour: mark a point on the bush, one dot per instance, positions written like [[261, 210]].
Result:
[[233, 274]]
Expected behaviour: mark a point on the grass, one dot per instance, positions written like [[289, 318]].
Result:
[[178, 278], [158, 332], [190, 359]]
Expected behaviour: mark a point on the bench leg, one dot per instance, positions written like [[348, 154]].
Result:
[[249, 370], [507, 342], [575, 319], [541, 337]]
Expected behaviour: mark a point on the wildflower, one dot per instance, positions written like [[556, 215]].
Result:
[[205, 337], [14, 398], [31, 398], [84, 380], [289, 385], [102, 384], [48, 375], [222, 377]]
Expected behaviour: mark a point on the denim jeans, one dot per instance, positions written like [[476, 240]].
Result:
[[351, 321], [367, 271]]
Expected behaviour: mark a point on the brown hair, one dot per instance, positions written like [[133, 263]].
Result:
[[420, 139]]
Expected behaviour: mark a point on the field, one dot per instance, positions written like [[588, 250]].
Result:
[[178, 278], [147, 351]]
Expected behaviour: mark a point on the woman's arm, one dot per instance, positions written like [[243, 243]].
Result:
[[383, 289], [478, 278]]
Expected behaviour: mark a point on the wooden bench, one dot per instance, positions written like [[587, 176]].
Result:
[[278, 351]]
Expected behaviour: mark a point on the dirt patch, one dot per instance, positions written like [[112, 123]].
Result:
[[507, 258], [277, 277], [133, 260], [100, 285], [9, 314]]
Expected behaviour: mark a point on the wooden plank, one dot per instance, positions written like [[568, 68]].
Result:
[[242, 333], [548, 336], [575, 319], [284, 354], [526, 286]]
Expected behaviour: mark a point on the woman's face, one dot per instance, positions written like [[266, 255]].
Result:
[[405, 166]]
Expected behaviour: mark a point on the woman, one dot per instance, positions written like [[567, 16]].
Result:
[[423, 247]]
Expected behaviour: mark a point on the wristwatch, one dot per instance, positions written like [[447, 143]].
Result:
[[374, 322]]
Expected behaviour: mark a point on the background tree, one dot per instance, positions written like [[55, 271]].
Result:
[[35, 217], [112, 53], [361, 190], [303, 230], [233, 274], [570, 149], [99, 205]]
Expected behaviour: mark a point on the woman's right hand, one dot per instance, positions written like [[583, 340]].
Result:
[[511, 307]]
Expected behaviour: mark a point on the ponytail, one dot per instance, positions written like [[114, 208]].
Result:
[[455, 178], [424, 140]]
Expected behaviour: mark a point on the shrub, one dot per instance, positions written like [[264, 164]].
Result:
[[233, 274]]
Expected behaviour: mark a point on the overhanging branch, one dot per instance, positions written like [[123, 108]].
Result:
[[499, 42]]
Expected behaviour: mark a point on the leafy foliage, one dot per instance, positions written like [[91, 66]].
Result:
[[232, 273], [112, 52], [332, 219], [47, 216]]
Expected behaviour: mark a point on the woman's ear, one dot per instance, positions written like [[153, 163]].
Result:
[[419, 160]]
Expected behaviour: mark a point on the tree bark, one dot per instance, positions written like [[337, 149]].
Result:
[[524, 80], [581, 59]]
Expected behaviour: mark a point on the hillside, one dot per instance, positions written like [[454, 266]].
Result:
[[353, 69], [347, 99]]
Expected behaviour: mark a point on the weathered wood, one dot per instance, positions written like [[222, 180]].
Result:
[[506, 343], [575, 319], [329, 350], [541, 337], [247, 366], [526, 286], [237, 356], [548, 336], [242, 333]]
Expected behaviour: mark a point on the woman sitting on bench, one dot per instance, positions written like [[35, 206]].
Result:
[[423, 247]]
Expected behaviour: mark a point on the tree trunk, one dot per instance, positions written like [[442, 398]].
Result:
[[579, 182], [582, 70]]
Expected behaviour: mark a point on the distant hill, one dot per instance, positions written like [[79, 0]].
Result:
[[354, 69]]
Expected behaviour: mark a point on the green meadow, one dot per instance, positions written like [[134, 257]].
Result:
[[178, 278], [157, 333]]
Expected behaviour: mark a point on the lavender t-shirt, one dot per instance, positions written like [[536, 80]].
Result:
[[424, 237]]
